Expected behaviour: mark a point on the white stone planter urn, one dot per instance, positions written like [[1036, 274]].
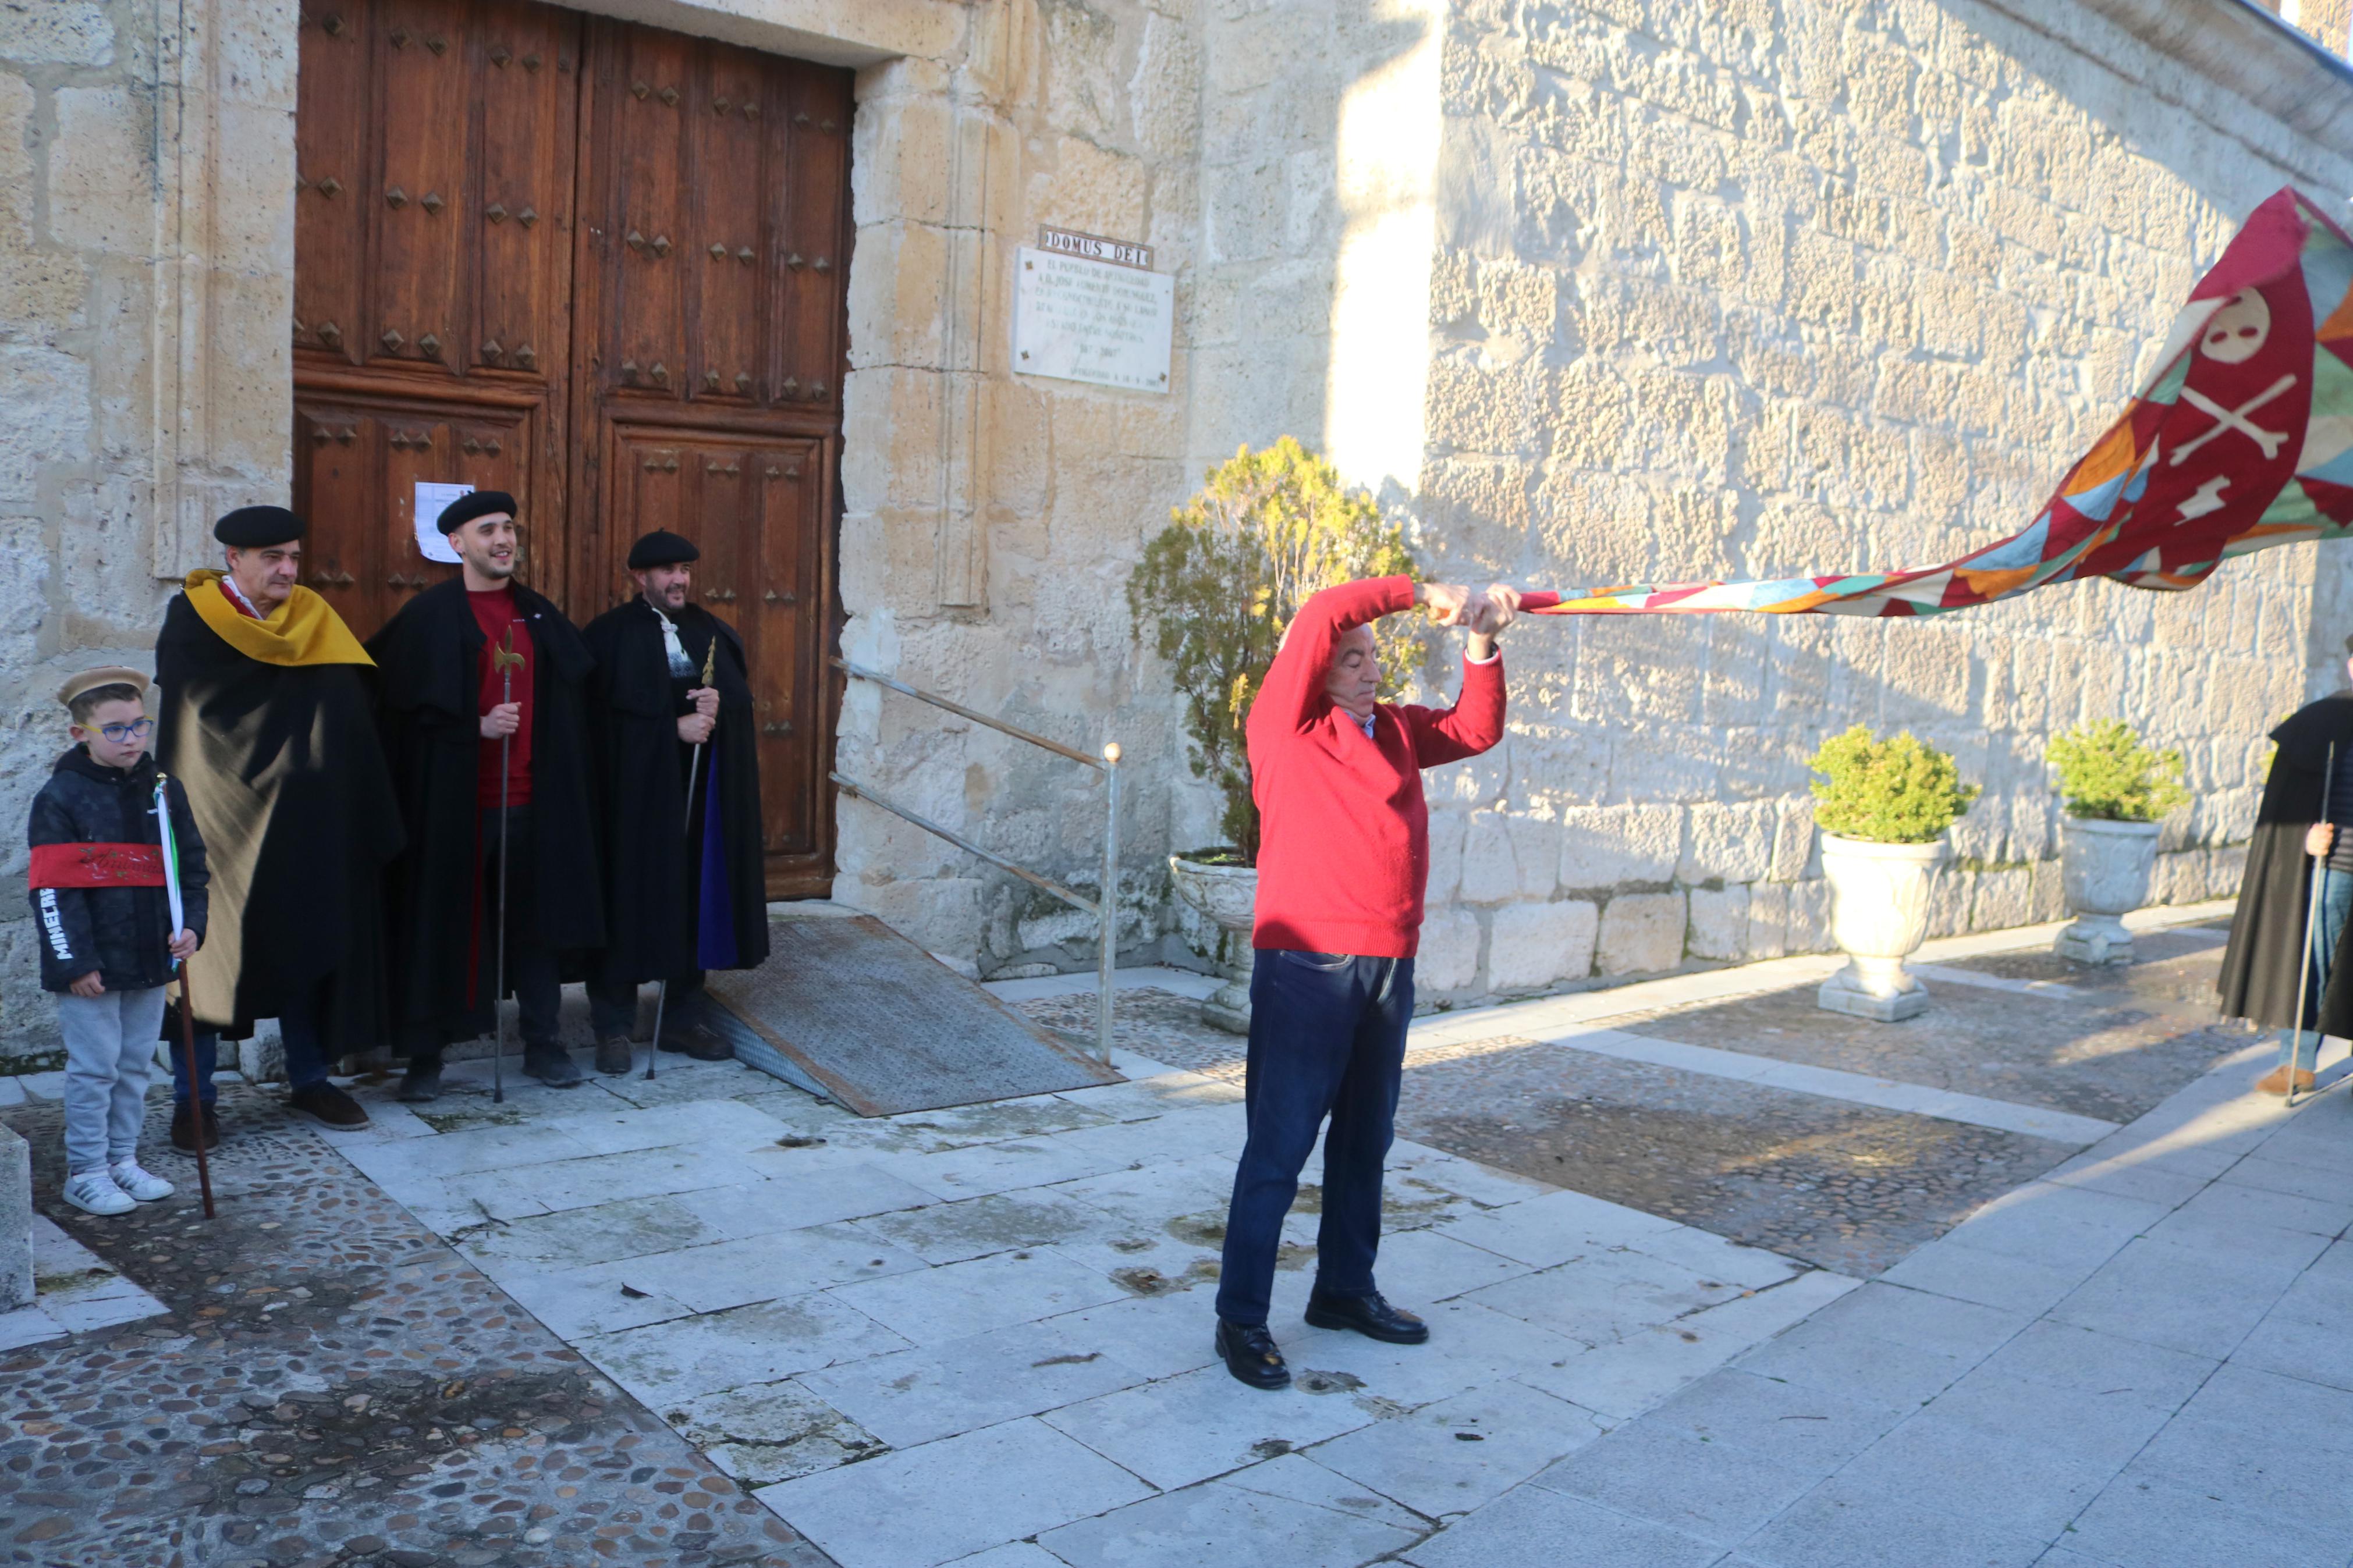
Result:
[[2104, 866], [1227, 895], [1879, 915]]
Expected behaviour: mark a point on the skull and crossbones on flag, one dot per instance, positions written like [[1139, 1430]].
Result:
[[2241, 439]]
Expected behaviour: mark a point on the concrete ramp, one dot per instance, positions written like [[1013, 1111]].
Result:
[[851, 1010]]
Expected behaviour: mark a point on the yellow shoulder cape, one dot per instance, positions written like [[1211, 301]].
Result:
[[305, 629]]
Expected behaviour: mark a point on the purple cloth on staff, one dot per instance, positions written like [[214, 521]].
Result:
[[714, 922]]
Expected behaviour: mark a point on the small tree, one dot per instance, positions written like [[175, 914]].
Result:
[[1220, 583], [1887, 792], [2105, 772]]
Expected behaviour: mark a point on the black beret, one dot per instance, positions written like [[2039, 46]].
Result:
[[479, 503], [661, 548], [257, 527]]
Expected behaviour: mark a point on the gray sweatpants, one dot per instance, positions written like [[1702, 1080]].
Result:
[[110, 1047]]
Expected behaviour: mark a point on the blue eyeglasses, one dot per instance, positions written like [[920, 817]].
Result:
[[139, 729]]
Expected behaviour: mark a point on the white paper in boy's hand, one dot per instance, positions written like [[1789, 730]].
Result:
[[432, 500]]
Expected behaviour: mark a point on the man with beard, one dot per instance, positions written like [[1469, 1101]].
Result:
[[450, 728], [266, 723], [683, 873]]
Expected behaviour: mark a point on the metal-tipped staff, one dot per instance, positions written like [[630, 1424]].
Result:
[[2294, 1042], [694, 765], [506, 660], [180, 973]]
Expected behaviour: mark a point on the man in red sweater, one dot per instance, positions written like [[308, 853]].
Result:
[[1344, 856]]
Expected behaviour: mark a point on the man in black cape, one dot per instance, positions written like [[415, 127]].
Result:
[[2295, 841], [448, 727], [686, 884], [267, 723]]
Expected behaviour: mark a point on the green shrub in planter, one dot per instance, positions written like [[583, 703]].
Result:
[[1886, 791], [1219, 583], [2105, 772]]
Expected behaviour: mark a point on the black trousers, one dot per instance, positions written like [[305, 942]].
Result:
[[534, 971]]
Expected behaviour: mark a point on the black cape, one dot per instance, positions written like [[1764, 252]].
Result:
[[651, 855], [287, 784], [2261, 965], [440, 937]]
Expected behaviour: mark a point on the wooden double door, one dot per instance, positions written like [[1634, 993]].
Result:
[[602, 267]]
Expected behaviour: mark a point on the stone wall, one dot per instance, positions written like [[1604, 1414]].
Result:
[[144, 359], [1747, 290]]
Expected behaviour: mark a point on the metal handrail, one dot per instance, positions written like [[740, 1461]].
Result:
[[1105, 909]]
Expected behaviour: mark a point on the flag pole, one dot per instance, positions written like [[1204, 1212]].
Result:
[[693, 767], [180, 973], [2303, 964]]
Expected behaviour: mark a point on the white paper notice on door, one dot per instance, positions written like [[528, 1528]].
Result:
[[432, 501]]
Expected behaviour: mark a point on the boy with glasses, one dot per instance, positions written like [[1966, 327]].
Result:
[[103, 917]]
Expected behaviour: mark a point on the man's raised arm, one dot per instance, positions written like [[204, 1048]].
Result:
[[1293, 696]]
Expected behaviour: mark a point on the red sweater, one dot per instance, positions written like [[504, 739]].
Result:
[[1343, 845]]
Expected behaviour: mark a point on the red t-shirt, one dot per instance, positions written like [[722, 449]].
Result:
[[1343, 845], [494, 612]]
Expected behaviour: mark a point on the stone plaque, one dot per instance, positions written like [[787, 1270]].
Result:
[[1081, 319]]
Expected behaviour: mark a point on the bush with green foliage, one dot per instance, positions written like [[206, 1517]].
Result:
[[2105, 772], [1219, 583], [1887, 792]]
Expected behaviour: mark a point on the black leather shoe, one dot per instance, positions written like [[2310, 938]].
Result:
[[1252, 1356], [614, 1055], [420, 1083], [698, 1041], [552, 1065], [183, 1129], [1370, 1316]]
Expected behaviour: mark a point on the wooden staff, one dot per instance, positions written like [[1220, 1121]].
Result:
[[693, 767]]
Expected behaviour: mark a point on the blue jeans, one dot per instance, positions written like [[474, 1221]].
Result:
[[2335, 904], [298, 1027], [1327, 1039]]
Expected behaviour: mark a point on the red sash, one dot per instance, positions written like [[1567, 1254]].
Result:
[[98, 866]]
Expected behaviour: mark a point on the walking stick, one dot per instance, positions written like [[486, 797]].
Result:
[[506, 658], [694, 765], [2303, 965], [180, 973]]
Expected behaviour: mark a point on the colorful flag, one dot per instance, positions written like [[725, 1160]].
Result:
[[2243, 439]]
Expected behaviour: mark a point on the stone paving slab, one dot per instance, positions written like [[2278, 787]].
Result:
[[2071, 1376], [1004, 1310]]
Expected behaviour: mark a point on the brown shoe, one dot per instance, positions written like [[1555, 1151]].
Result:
[[701, 1043], [614, 1055], [2275, 1081], [328, 1106], [184, 1130]]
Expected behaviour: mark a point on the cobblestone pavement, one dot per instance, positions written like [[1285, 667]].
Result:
[[2112, 1047], [1846, 1186], [333, 1385]]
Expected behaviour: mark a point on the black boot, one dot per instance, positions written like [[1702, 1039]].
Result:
[[552, 1065], [1252, 1356], [1369, 1315], [421, 1082], [183, 1129]]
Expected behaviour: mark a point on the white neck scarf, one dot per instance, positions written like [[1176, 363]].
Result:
[[680, 666]]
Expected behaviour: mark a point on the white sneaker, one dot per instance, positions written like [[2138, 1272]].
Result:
[[94, 1192], [139, 1183]]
